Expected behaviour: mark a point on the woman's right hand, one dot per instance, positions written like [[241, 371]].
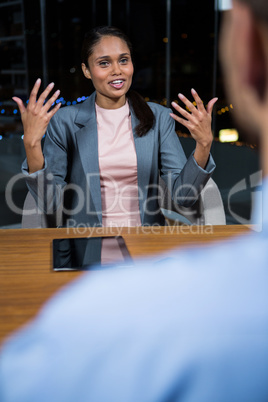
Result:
[[35, 118]]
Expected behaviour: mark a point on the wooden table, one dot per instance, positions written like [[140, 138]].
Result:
[[26, 278]]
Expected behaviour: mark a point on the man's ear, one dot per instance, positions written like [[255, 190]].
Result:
[[86, 71], [257, 60], [253, 50]]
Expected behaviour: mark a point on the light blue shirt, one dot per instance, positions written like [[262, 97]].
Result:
[[191, 327]]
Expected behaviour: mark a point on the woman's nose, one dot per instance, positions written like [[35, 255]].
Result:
[[116, 69]]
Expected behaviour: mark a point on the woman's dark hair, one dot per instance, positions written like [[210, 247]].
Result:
[[141, 109]]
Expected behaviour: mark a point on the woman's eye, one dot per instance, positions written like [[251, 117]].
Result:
[[103, 63], [124, 61]]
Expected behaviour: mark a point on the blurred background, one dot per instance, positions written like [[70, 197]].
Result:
[[175, 49]]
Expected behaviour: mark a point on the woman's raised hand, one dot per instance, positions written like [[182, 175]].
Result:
[[36, 116], [198, 122]]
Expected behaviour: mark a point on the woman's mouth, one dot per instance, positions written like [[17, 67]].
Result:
[[117, 84]]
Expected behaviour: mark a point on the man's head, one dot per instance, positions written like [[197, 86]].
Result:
[[259, 8], [244, 58]]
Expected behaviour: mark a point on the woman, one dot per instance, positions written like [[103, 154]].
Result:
[[106, 154]]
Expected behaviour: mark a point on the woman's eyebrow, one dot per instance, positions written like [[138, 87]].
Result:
[[109, 57]]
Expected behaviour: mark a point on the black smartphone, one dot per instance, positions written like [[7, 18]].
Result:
[[75, 254]]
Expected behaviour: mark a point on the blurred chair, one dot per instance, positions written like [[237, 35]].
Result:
[[208, 209]]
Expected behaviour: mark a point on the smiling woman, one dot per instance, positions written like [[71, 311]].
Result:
[[110, 68], [107, 55], [104, 156]]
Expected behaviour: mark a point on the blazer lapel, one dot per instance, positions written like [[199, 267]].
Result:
[[87, 141], [145, 152]]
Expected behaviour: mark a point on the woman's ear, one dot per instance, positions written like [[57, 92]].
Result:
[[86, 71]]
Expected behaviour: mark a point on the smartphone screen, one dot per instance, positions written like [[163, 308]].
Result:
[[83, 253]]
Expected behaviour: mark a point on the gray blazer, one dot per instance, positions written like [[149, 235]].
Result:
[[71, 163]]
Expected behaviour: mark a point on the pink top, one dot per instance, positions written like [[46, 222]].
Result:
[[118, 167]]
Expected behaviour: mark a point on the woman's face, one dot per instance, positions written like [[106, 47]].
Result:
[[111, 70]]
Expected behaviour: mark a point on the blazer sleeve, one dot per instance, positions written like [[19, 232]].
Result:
[[184, 178], [46, 185]]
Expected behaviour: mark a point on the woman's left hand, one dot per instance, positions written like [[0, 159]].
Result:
[[198, 122]]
